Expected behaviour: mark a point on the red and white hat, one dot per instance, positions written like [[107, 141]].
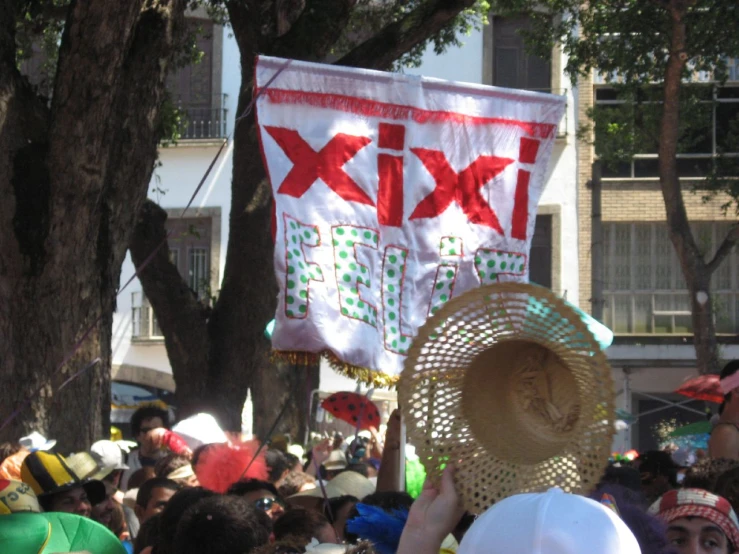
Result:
[[681, 503]]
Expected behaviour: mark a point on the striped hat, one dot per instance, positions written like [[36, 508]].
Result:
[[49, 474], [681, 503]]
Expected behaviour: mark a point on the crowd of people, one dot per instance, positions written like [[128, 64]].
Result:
[[342, 497]]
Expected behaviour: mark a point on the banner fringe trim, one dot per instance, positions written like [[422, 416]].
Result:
[[359, 374]]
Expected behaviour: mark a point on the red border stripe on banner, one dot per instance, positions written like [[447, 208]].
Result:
[[374, 108]]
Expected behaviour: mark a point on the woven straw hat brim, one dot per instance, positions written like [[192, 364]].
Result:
[[506, 382]]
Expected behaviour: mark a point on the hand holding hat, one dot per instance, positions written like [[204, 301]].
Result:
[[157, 439]]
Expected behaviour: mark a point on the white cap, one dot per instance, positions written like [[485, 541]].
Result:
[[553, 522], [200, 429], [111, 457]]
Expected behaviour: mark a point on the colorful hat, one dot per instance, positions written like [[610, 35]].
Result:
[[681, 503], [36, 441], [507, 381], [49, 474], [11, 466], [553, 522], [56, 532], [16, 496]]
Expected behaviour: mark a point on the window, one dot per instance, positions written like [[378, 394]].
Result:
[[540, 257], [715, 130], [194, 88], [644, 289], [513, 67], [189, 250]]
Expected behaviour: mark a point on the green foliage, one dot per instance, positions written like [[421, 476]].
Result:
[[171, 122]]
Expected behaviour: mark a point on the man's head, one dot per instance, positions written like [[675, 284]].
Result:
[[146, 419], [658, 473], [177, 506], [698, 522], [222, 525], [278, 466], [153, 497], [103, 512], [305, 525], [71, 501], [261, 495]]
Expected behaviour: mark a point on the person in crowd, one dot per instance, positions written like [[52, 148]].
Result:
[[334, 464], [304, 525], [658, 473], [10, 466], [149, 536], [153, 497], [58, 489], [278, 466], [7, 449], [172, 514], [625, 476], [650, 532], [293, 462], [178, 468], [144, 420], [724, 441], [359, 467], [102, 512], [727, 486], [295, 482], [260, 494], [553, 522], [223, 524], [698, 522], [337, 512], [704, 474]]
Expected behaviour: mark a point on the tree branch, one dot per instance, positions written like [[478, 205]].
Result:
[[728, 244], [397, 38], [316, 30], [181, 317]]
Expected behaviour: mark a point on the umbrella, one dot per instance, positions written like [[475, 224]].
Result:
[[697, 428], [355, 409], [703, 387]]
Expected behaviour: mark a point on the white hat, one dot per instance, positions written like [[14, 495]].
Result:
[[200, 429], [36, 441], [553, 522], [110, 457], [346, 483], [335, 461]]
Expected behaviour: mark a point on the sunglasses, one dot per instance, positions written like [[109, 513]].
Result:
[[266, 504]]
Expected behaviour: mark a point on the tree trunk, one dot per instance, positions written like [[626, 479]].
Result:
[[696, 271], [72, 179]]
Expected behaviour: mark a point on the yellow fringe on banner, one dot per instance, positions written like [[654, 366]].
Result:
[[295, 358], [361, 374]]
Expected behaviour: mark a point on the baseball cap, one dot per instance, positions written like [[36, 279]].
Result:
[[345, 483], [553, 522], [681, 503], [111, 457]]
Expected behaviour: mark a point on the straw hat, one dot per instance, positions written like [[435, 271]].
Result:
[[345, 483], [507, 382]]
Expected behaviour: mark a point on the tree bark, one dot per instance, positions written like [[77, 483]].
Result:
[[71, 180], [696, 271]]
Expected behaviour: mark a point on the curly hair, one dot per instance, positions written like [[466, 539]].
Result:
[[170, 463], [705, 473], [293, 482]]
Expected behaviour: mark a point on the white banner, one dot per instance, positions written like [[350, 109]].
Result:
[[392, 194]]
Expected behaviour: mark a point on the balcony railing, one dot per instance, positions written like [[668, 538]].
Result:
[[144, 325], [202, 123]]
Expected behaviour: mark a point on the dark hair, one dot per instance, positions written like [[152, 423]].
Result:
[[288, 546], [336, 504], [170, 463], [149, 534], [705, 473], [300, 524], [140, 476], [245, 486], [727, 486], [117, 520], [7, 449], [293, 482], [172, 513], [277, 464], [292, 459], [729, 369], [659, 463], [147, 412], [221, 525], [359, 467], [198, 452], [144, 495], [625, 476], [650, 531]]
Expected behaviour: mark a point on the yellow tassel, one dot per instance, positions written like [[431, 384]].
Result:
[[360, 374], [295, 358]]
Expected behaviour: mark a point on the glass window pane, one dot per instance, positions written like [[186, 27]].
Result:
[[727, 127], [643, 257], [622, 257], [622, 315], [646, 168], [642, 313], [723, 310], [663, 258], [199, 276]]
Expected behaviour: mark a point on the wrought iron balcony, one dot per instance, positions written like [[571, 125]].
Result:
[[202, 123]]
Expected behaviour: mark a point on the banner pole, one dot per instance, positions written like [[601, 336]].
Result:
[[401, 455]]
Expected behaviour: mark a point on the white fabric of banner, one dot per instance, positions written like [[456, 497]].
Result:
[[393, 193]]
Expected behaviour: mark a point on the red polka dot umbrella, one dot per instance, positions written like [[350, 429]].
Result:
[[353, 408]]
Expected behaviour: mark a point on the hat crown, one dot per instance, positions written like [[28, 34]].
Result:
[[46, 473]]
